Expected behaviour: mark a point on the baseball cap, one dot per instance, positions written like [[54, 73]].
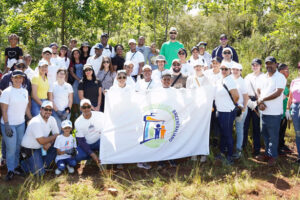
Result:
[[132, 41], [43, 62], [160, 57], [175, 60], [75, 49], [66, 123], [20, 62], [256, 61], [166, 73], [194, 47], [202, 43], [173, 29], [147, 67], [47, 49], [53, 44], [87, 66], [270, 59], [47, 103], [223, 36], [237, 66], [85, 44], [226, 64], [84, 101], [128, 62], [99, 46], [198, 62], [104, 35], [17, 73], [227, 49], [121, 71], [64, 47]]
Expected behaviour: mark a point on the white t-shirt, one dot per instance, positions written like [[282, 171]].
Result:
[[187, 69], [64, 143], [129, 81], [207, 58], [106, 51], [253, 82], [30, 73], [213, 78], [61, 94], [96, 63], [63, 62], [90, 128], [270, 85], [17, 101], [222, 99], [136, 57], [142, 86], [156, 75], [196, 82], [242, 89], [38, 128]]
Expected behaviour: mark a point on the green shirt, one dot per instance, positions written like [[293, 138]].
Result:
[[169, 50], [285, 100]]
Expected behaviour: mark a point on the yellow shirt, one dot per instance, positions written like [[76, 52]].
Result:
[[42, 86]]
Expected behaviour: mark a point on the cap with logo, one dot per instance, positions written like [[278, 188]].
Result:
[[47, 103], [270, 59], [87, 66], [147, 67], [256, 61], [99, 46], [132, 41], [84, 101], [47, 49], [66, 123], [17, 73], [173, 29]]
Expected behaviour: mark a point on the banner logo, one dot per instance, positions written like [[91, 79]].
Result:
[[161, 124]]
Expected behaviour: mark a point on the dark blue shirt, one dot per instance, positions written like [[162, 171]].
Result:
[[6, 82], [218, 52]]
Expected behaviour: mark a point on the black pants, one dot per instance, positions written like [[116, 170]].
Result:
[[283, 126]]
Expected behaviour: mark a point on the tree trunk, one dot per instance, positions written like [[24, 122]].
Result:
[[154, 21], [63, 18]]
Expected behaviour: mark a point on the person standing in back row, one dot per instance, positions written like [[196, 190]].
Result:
[[219, 49], [170, 49]]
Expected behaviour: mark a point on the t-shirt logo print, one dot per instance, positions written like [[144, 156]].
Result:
[[91, 128], [12, 54]]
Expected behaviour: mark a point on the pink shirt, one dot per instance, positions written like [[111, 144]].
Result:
[[295, 90]]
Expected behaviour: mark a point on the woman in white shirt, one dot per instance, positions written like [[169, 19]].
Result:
[[242, 103], [198, 79], [14, 105], [64, 61], [226, 98], [61, 94]]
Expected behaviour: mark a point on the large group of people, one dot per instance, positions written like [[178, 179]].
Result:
[[71, 83]]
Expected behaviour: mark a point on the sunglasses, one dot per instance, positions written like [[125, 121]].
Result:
[[21, 66], [173, 33], [223, 39], [227, 52], [122, 77], [87, 70], [106, 62], [224, 69], [47, 109], [176, 64], [85, 107], [166, 79], [181, 53]]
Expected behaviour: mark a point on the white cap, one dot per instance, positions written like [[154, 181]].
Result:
[[87, 66], [66, 123], [237, 66], [226, 64], [47, 103], [166, 73], [147, 67], [84, 101], [227, 49], [128, 62], [47, 49], [43, 62], [198, 62], [173, 29], [176, 60], [132, 41]]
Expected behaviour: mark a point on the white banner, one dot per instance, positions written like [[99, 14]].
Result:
[[162, 124]]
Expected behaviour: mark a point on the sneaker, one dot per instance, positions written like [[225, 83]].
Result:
[[220, 157], [57, 172], [119, 166], [271, 161], [203, 159], [70, 169], [9, 175], [229, 160], [172, 163], [194, 158], [237, 154], [144, 166], [19, 171]]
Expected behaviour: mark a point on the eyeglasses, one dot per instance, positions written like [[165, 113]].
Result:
[[47, 109], [85, 107], [105, 62], [176, 64], [122, 77], [173, 33], [224, 69], [227, 52]]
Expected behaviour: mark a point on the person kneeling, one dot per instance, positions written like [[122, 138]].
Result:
[[65, 145]]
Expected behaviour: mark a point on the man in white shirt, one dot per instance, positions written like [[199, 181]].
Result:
[[37, 149], [136, 57], [147, 83], [96, 60], [227, 56], [89, 126], [270, 103], [107, 49]]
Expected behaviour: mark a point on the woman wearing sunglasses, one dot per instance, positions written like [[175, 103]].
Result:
[[106, 75], [90, 88], [226, 97]]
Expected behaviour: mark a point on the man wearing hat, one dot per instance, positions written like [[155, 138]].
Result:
[[107, 49], [160, 61], [136, 57], [147, 83], [89, 126], [219, 50], [37, 151], [170, 49], [204, 54], [178, 79], [96, 59], [270, 103]]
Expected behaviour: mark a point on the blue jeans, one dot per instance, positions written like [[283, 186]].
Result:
[[270, 132], [82, 155], [35, 107], [13, 145], [61, 164], [255, 130], [58, 120], [226, 125], [36, 163], [296, 122], [239, 129]]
